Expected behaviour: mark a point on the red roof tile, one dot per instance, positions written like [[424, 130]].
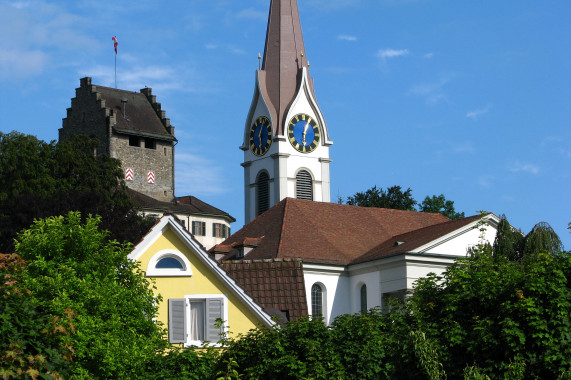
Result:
[[277, 285], [327, 232]]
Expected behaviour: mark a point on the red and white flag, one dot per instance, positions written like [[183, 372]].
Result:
[[115, 43]]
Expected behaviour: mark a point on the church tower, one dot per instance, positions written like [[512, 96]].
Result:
[[286, 142]]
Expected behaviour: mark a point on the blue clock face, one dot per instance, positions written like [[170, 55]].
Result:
[[260, 136], [303, 133]]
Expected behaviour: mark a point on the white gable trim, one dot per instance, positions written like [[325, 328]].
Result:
[[169, 222], [490, 219]]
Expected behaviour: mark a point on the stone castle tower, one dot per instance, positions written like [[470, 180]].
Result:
[[131, 127]]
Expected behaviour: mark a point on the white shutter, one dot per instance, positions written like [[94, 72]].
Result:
[[177, 320], [213, 312]]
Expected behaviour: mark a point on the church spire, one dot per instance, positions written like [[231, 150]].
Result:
[[284, 58]]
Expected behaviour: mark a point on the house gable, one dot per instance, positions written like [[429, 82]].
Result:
[[203, 279]]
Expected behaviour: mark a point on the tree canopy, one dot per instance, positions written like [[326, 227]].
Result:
[[39, 179], [396, 198], [98, 300], [393, 197]]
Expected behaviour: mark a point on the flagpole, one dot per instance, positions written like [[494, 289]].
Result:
[[115, 43]]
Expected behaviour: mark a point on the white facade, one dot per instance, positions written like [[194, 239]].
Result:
[[282, 162], [392, 275], [208, 231]]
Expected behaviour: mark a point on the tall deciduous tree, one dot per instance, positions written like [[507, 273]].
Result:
[[39, 179], [74, 268], [394, 197], [438, 203]]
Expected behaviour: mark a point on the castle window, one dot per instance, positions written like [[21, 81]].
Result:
[[165, 150], [304, 185], [134, 141], [262, 193], [150, 143], [198, 228]]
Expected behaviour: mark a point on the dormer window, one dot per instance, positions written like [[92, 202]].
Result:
[[168, 263]]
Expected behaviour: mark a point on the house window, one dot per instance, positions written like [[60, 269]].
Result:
[[134, 141], [168, 263], [150, 143], [199, 228], [220, 230], [262, 193], [194, 319], [304, 185], [364, 299], [316, 300]]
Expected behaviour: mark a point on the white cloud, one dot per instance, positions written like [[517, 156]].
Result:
[[477, 113], [197, 175], [211, 46], [517, 167], [433, 92], [391, 53], [344, 37], [15, 64], [429, 55]]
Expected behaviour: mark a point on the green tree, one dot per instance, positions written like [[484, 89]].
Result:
[[32, 343], [499, 316], [394, 197], [509, 242], [441, 205], [74, 268], [39, 179]]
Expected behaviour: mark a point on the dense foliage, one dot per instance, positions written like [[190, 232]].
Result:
[[73, 271], [395, 198], [39, 179], [489, 316]]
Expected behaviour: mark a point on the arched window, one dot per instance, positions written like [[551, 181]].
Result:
[[364, 299], [304, 185], [168, 263], [262, 193], [316, 300]]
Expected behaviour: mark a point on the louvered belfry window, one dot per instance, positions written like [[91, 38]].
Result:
[[262, 193], [304, 185]]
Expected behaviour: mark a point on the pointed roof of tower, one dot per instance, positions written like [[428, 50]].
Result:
[[284, 58]]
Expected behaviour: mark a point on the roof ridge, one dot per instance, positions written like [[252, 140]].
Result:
[[282, 227]]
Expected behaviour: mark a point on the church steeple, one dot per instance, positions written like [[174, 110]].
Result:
[[286, 143], [284, 57]]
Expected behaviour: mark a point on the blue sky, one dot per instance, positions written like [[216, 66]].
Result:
[[469, 99]]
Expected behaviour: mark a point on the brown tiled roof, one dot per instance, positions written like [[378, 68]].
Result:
[[277, 285], [327, 232], [184, 205], [140, 118]]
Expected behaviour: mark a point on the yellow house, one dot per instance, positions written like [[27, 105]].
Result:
[[196, 291]]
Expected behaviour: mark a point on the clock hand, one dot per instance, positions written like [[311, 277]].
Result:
[[303, 142], [260, 136]]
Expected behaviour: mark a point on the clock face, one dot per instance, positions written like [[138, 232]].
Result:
[[303, 133], [260, 136]]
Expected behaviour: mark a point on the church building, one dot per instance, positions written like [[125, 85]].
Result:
[[348, 258]]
